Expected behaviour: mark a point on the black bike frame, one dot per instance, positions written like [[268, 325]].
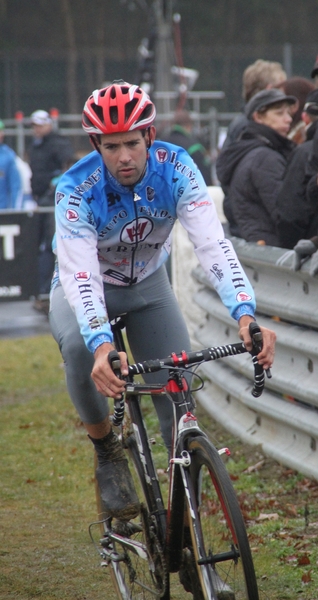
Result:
[[171, 521]]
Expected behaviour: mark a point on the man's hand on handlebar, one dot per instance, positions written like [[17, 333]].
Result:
[[266, 355], [102, 374]]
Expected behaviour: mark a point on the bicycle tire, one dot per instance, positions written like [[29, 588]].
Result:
[[217, 528], [136, 561]]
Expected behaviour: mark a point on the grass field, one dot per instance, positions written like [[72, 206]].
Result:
[[47, 494]]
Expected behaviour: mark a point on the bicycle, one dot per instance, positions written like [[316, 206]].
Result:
[[201, 533]]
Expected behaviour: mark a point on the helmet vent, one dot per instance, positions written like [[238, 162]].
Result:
[[99, 112], [129, 108], [113, 92], [113, 113], [145, 113]]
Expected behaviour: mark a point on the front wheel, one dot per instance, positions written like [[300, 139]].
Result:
[[219, 545]]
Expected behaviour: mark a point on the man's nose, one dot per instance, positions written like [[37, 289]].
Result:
[[124, 154]]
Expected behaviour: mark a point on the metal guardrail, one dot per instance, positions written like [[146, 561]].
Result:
[[205, 118], [284, 421]]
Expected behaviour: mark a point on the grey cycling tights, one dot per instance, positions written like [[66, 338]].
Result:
[[154, 325]]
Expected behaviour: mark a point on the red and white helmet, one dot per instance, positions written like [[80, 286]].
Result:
[[117, 108]]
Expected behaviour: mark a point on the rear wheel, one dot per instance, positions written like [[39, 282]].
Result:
[[220, 547]]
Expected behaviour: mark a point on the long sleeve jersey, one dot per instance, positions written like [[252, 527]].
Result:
[[10, 180], [106, 232]]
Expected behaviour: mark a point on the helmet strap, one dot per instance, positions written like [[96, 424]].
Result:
[[93, 141]]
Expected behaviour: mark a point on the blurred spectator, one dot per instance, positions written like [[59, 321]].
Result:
[[297, 214], [27, 202], [48, 155], [314, 73], [181, 134], [299, 87], [261, 75], [10, 180], [253, 167], [307, 247]]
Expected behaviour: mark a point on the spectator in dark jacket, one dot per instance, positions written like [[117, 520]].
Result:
[[296, 209], [48, 154], [253, 167], [308, 246], [261, 75], [299, 87], [181, 134]]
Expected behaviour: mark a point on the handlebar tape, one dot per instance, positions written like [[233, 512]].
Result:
[[119, 403], [259, 378]]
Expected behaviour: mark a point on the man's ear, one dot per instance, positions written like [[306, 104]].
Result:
[[94, 142], [151, 135], [257, 117]]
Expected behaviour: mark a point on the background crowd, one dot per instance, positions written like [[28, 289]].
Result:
[[268, 164], [30, 183]]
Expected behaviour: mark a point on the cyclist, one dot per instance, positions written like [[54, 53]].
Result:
[[115, 210]]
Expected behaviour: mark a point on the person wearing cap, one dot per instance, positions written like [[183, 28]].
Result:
[[253, 167], [260, 75], [295, 213], [10, 179], [115, 212], [48, 155]]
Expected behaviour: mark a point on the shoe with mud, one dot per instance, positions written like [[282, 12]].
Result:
[[114, 479]]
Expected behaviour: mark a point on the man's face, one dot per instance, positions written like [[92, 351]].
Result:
[[278, 118], [39, 131], [125, 155]]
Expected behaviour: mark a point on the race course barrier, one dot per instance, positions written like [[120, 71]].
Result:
[[284, 420]]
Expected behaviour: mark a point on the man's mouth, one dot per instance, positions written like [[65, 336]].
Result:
[[127, 170]]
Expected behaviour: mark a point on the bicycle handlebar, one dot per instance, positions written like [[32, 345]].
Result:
[[185, 359]]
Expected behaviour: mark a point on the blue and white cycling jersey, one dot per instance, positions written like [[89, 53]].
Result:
[[106, 232]]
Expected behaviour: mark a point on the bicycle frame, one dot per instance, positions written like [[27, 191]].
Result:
[[184, 422], [190, 450], [171, 520]]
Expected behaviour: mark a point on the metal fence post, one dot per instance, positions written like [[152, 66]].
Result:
[[288, 59], [20, 133]]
